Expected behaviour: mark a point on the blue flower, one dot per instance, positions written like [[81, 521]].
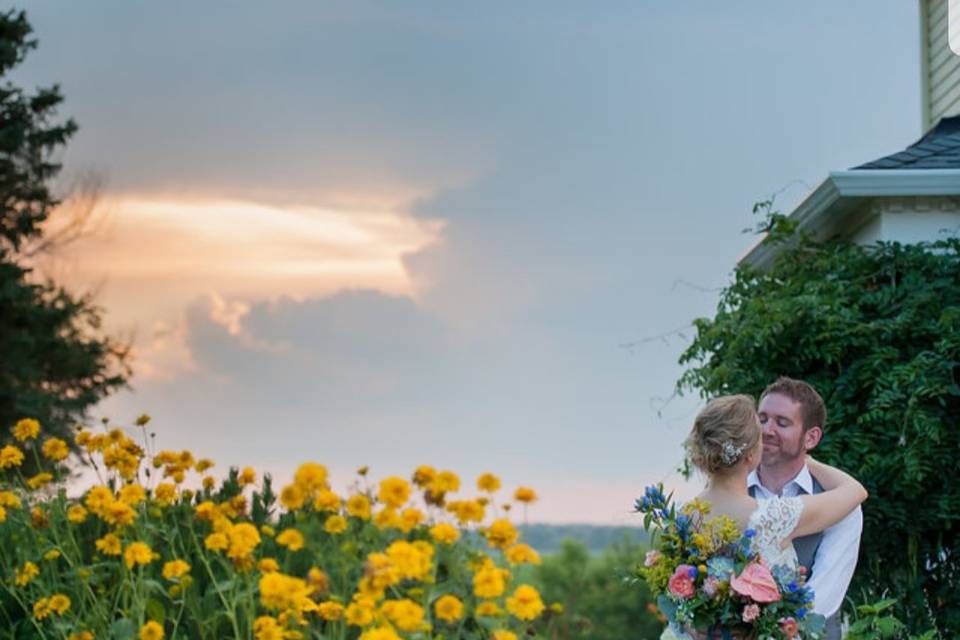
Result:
[[792, 587], [692, 572], [801, 613], [720, 567], [750, 533]]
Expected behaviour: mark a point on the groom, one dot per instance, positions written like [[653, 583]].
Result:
[[792, 415]]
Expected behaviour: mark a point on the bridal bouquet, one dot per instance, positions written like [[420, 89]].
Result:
[[707, 576]]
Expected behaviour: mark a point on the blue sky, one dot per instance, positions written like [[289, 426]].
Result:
[[403, 233]]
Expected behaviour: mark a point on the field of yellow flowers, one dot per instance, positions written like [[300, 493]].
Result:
[[140, 555]]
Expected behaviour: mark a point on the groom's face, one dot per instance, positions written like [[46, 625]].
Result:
[[782, 425]]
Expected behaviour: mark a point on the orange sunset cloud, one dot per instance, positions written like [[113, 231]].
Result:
[[149, 258]]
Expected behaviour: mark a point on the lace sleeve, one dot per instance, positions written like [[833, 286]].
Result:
[[774, 521]]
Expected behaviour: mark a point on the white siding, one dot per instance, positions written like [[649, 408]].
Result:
[[941, 66], [910, 220]]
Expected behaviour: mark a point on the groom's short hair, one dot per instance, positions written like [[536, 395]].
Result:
[[812, 409]]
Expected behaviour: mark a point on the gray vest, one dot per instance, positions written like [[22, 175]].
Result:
[[806, 548]]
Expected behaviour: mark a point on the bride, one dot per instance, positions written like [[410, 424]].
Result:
[[726, 445]]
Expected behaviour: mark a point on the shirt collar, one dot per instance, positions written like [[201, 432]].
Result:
[[803, 479]]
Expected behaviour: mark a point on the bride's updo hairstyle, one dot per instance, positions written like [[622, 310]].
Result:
[[723, 433]]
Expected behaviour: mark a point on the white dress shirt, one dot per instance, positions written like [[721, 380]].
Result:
[[836, 558]]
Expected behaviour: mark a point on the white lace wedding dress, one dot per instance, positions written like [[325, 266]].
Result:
[[773, 521]]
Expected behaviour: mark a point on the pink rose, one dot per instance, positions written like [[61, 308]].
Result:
[[757, 583], [651, 558], [751, 612], [681, 582], [789, 627]]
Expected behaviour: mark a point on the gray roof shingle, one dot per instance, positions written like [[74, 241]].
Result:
[[938, 149]]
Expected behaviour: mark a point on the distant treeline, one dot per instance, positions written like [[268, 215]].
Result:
[[548, 538]]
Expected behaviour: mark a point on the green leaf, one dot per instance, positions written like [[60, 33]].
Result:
[[888, 627], [123, 629], [156, 610]]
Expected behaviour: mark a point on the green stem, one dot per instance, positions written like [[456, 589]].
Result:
[[223, 600]]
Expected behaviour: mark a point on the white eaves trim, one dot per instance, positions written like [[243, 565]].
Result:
[[825, 209]]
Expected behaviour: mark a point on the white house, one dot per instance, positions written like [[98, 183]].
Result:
[[909, 196]]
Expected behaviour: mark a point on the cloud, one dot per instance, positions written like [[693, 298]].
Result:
[[154, 256]]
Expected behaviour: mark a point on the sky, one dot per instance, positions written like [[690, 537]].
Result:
[[471, 235]]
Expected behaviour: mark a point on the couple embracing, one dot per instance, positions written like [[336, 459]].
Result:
[[760, 474]]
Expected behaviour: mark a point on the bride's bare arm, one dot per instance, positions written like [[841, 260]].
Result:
[[842, 493]]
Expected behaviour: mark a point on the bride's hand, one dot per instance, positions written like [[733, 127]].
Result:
[[828, 476], [842, 493]]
